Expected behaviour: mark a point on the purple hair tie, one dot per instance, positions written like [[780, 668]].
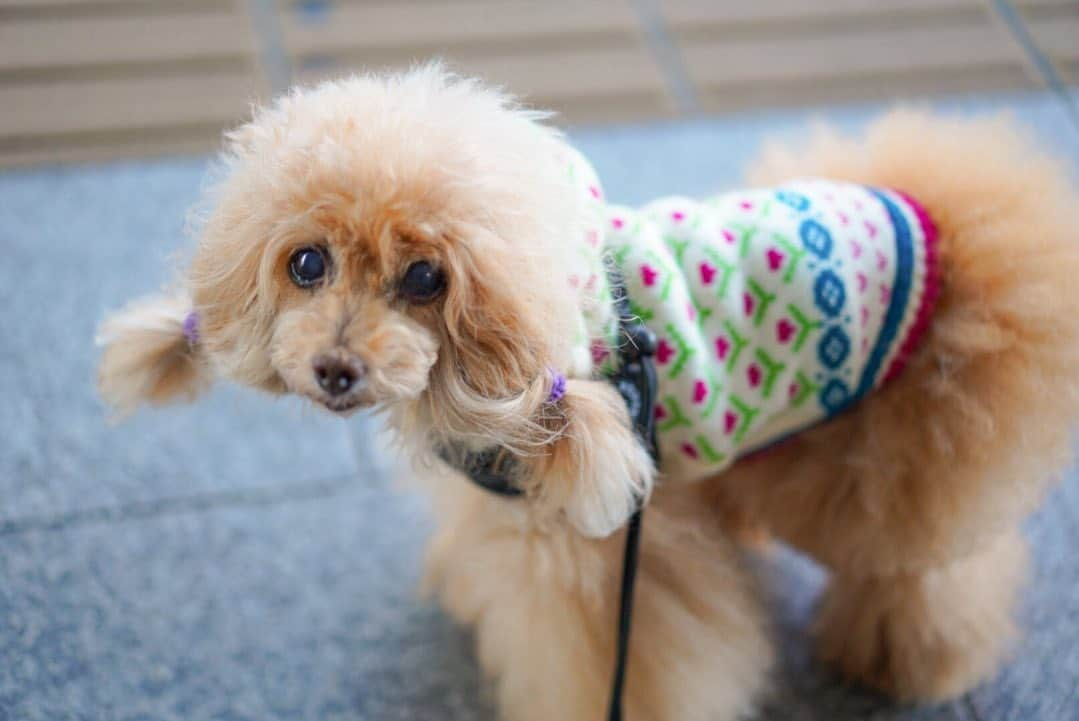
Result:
[[191, 327], [558, 386]]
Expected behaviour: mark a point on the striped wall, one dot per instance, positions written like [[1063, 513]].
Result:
[[95, 79]]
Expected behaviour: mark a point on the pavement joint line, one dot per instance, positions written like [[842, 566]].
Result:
[[667, 55], [266, 25], [179, 505], [1006, 13], [970, 709]]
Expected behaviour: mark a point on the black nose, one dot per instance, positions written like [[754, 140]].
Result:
[[337, 374]]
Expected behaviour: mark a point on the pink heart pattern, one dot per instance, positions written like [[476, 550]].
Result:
[[730, 422], [775, 259], [649, 275], [664, 352], [600, 351], [784, 330], [700, 391], [723, 347], [708, 273], [754, 375]]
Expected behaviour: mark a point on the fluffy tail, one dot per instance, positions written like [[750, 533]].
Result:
[[149, 356], [993, 392]]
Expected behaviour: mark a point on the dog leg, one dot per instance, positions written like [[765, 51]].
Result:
[[918, 605], [544, 606], [927, 635]]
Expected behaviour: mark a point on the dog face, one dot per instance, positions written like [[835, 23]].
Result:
[[381, 240], [341, 290], [405, 242]]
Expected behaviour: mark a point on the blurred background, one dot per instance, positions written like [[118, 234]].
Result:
[[247, 558], [93, 79]]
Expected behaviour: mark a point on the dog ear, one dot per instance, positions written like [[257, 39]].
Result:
[[581, 456], [597, 471], [149, 356]]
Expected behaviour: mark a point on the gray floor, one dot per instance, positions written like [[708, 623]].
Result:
[[244, 558]]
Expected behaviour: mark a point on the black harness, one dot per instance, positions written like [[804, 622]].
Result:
[[495, 469]]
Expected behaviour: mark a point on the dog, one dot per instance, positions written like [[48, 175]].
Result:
[[421, 244]]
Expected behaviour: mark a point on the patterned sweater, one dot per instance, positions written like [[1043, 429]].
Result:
[[775, 308]]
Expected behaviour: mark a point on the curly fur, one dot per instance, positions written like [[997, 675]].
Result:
[[147, 358], [913, 499]]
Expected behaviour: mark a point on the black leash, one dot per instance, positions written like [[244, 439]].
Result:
[[635, 380], [636, 383], [625, 615]]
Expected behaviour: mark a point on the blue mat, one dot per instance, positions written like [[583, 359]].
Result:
[[244, 558]]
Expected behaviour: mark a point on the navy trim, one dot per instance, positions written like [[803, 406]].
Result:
[[901, 287]]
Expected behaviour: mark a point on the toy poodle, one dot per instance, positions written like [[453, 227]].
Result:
[[873, 356]]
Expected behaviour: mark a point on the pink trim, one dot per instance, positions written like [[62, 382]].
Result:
[[930, 291]]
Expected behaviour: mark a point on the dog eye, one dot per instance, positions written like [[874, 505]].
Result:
[[307, 266], [422, 282]]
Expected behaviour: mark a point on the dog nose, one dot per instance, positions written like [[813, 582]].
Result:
[[336, 374]]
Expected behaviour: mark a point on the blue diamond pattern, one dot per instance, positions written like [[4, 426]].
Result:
[[795, 200], [816, 238], [834, 396], [834, 347], [829, 293]]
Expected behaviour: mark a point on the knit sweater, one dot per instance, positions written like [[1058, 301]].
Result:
[[775, 308]]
